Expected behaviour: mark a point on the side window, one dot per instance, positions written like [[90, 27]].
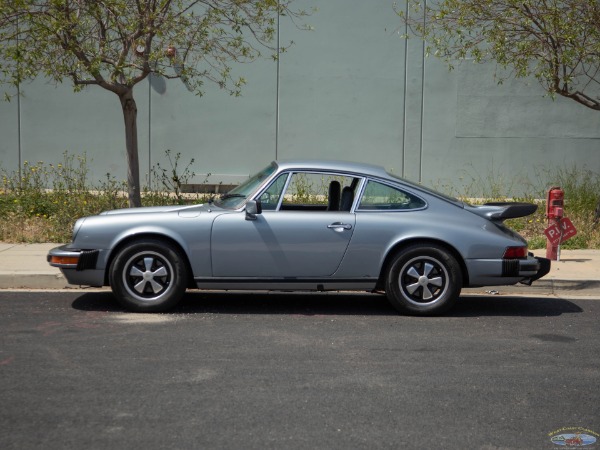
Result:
[[309, 191], [379, 196], [270, 198]]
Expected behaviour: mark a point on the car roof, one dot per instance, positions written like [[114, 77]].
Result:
[[333, 166], [355, 168]]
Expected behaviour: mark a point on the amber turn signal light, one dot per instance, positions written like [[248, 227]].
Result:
[[64, 260]]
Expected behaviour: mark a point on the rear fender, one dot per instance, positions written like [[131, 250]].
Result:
[[399, 246]]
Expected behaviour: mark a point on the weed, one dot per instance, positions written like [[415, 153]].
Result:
[[41, 202], [582, 192]]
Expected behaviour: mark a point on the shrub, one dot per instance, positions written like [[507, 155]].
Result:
[[41, 202], [582, 193]]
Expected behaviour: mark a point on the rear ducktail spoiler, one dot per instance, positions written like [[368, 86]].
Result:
[[500, 211]]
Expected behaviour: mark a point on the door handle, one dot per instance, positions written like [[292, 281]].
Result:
[[339, 227]]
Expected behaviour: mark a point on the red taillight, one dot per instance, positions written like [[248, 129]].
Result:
[[515, 252]]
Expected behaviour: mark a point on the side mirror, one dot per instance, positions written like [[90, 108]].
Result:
[[253, 207]]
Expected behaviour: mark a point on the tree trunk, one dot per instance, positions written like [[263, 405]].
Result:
[[131, 140]]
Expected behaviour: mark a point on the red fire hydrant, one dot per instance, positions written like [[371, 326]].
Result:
[[554, 213]]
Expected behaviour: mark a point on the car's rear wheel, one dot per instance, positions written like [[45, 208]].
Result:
[[148, 276], [423, 279]]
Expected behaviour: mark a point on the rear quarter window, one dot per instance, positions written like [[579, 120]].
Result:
[[382, 197]]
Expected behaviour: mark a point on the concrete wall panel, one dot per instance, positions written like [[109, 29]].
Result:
[[55, 120], [342, 85], [9, 132], [351, 89], [229, 137]]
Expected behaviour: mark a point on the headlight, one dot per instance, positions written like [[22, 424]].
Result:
[[77, 227]]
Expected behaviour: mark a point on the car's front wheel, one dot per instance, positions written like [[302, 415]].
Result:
[[148, 276], [423, 279]]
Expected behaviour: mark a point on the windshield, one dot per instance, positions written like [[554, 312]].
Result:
[[238, 195]]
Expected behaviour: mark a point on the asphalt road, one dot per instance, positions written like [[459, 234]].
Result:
[[260, 371]]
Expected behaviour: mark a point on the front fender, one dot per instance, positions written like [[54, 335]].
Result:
[[190, 233], [107, 255]]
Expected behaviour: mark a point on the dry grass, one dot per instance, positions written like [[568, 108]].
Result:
[[42, 202], [15, 229]]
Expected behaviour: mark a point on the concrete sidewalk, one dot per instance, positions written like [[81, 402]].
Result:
[[24, 266]]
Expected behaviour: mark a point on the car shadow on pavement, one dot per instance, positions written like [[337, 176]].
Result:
[[513, 305], [259, 302], [338, 303]]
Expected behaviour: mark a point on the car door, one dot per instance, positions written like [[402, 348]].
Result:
[[303, 235], [280, 244]]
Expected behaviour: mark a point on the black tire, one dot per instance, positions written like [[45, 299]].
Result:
[[423, 279], [148, 276]]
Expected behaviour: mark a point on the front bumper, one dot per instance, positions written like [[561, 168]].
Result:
[[77, 265]]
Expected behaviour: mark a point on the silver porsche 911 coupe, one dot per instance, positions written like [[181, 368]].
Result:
[[305, 225]]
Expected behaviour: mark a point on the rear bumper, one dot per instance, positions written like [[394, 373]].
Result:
[[543, 265], [497, 272]]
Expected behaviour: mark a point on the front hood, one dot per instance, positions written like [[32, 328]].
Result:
[[500, 211], [156, 209]]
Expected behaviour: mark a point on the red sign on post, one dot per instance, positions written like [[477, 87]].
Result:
[[560, 232]]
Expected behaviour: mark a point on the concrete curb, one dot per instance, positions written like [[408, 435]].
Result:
[[34, 280], [24, 266]]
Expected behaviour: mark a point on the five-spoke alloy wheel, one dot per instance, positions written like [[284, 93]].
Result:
[[148, 275], [423, 279]]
